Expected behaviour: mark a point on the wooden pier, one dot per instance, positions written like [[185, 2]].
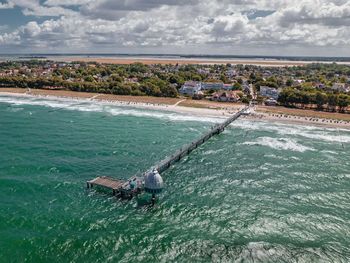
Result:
[[133, 186], [187, 149], [122, 188]]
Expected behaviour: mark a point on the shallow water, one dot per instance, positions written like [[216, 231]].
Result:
[[259, 192]]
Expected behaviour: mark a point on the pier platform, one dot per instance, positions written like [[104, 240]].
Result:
[[120, 188]]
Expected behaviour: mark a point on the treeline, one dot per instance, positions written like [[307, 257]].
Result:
[[293, 97], [149, 86]]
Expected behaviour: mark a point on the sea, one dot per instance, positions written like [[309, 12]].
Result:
[[258, 192]]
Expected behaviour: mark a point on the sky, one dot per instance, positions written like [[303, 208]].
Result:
[[227, 27]]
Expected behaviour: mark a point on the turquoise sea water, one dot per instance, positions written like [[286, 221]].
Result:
[[259, 192]]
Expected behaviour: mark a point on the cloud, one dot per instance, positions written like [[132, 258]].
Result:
[[217, 25], [67, 2], [35, 8], [114, 10], [6, 5]]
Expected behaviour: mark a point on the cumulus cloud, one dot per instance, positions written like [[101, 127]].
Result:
[[99, 25], [6, 5]]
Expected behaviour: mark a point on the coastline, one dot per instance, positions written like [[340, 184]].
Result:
[[196, 108]]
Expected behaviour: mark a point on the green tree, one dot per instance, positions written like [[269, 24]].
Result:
[[321, 99], [343, 102]]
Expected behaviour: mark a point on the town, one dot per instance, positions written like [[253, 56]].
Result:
[[317, 86]]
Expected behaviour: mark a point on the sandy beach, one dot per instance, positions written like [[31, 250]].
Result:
[[197, 108]]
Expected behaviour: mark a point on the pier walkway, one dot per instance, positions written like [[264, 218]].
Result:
[[133, 186], [187, 149]]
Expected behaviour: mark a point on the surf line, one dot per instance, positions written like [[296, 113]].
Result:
[[151, 181]]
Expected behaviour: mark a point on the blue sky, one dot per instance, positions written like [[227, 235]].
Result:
[[237, 27]]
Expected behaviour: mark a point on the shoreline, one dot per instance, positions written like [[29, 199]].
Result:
[[182, 106]]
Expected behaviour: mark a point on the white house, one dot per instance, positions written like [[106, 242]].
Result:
[[190, 88]]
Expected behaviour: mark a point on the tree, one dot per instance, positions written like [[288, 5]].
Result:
[[343, 102], [289, 82], [305, 98], [321, 99], [332, 101]]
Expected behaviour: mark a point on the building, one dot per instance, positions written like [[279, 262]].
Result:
[[204, 71], [212, 85], [269, 92], [247, 88], [298, 82], [230, 73], [226, 96], [198, 95], [190, 88], [227, 87], [342, 87], [319, 85]]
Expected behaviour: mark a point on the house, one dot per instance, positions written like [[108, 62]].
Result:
[[230, 73], [247, 88], [319, 85], [269, 92], [190, 88], [198, 95], [204, 71], [342, 87], [298, 82], [227, 87], [212, 85], [226, 96]]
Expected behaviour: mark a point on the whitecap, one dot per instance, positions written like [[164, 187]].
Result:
[[114, 109], [280, 144], [306, 131]]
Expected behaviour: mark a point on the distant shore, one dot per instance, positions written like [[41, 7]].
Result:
[[267, 62], [186, 61], [200, 108]]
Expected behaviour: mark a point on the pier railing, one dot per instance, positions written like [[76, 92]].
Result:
[[123, 188]]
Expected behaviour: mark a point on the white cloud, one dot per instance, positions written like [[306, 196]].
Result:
[[181, 25], [6, 5]]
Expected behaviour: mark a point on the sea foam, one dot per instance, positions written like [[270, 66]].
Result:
[[307, 131], [114, 109], [280, 144]]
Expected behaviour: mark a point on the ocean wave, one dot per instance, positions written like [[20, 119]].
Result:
[[280, 144], [113, 109], [306, 131]]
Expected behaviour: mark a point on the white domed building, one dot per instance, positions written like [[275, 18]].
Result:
[[153, 182]]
